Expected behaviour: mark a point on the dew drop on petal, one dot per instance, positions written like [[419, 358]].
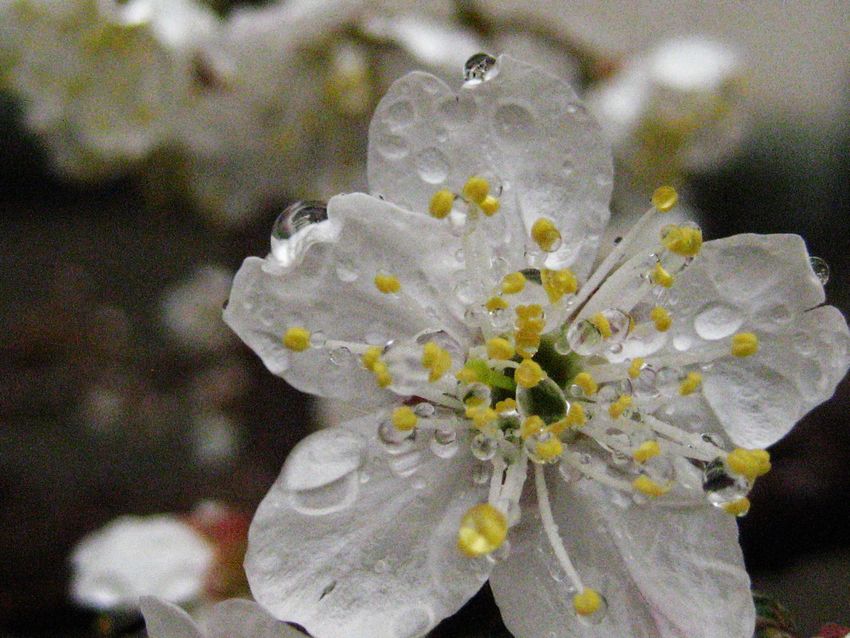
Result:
[[596, 617], [717, 321], [346, 272], [583, 338], [393, 440], [424, 409], [481, 473], [720, 488], [481, 67], [392, 147], [483, 447], [400, 114], [412, 622], [820, 268], [444, 443], [513, 123], [295, 217], [341, 356], [407, 463], [432, 165]]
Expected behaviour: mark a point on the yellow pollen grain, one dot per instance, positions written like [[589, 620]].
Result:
[[481, 416], [529, 374], [436, 360], [387, 284], [490, 205], [646, 485], [297, 339], [513, 283], [476, 189], [745, 344], [441, 204], [690, 384], [684, 241], [587, 602], [587, 383], [665, 198], [738, 507], [530, 311], [558, 283], [635, 367], [558, 427], [619, 406], [548, 450], [382, 374], [531, 426], [531, 324], [575, 416], [482, 530], [501, 349], [496, 303], [370, 357], [661, 277], [466, 375], [749, 463], [505, 405], [545, 234], [404, 418], [602, 324], [661, 318], [646, 451]]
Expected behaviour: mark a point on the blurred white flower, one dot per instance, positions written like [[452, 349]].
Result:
[[137, 556], [191, 309]]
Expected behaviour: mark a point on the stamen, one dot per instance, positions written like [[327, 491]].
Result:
[[404, 419], [749, 463], [387, 284], [513, 283], [441, 204], [546, 235], [296, 339], [482, 530], [476, 189], [745, 344], [551, 528], [665, 198]]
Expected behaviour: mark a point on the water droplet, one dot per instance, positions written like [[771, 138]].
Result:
[[779, 315], [393, 440], [584, 338], [424, 409], [820, 268], [721, 488], [458, 111], [483, 447], [667, 381], [345, 271], [432, 165], [513, 122], [804, 344], [321, 474], [682, 342], [392, 147], [341, 356], [400, 114], [412, 622], [317, 339], [501, 553], [717, 321], [406, 464], [480, 68], [294, 218], [499, 267], [713, 438], [644, 386], [465, 289], [481, 473], [619, 322], [596, 617], [444, 443]]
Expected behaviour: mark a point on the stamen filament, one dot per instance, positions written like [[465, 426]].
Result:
[[551, 528], [496, 479]]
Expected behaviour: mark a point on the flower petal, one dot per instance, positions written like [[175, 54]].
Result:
[[354, 542], [329, 289], [667, 572], [166, 620], [524, 130], [239, 617]]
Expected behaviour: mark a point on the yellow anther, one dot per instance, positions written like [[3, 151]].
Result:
[[646, 485], [529, 374], [531, 426], [297, 339], [619, 406], [558, 427], [548, 450], [685, 241], [661, 318], [646, 451], [602, 324], [387, 284], [404, 418], [558, 283], [526, 342], [467, 375], [661, 277], [530, 311], [441, 204], [749, 463], [498, 348], [745, 344], [665, 198], [690, 383], [635, 367], [437, 360], [476, 189], [370, 357], [531, 324], [738, 507], [505, 405], [587, 383], [382, 374], [496, 303], [490, 205], [513, 283], [482, 530], [481, 415], [587, 602], [575, 416], [545, 234]]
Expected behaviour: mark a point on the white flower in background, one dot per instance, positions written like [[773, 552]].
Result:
[[137, 556], [482, 343], [191, 309], [233, 618], [103, 81], [678, 108]]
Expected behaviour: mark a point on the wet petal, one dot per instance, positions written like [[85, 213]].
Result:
[[524, 130], [239, 617], [328, 288], [354, 542], [166, 620]]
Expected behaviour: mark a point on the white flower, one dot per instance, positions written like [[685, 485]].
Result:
[[233, 618], [102, 81], [482, 337], [136, 556]]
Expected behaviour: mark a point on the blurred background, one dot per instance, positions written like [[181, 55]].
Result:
[[146, 148]]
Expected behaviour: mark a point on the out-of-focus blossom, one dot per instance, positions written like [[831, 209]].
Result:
[[227, 530], [191, 309], [102, 80], [137, 556]]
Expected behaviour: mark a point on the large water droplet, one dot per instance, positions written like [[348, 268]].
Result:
[[400, 114], [584, 338], [406, 464], [321, 474], [483, 447], [294, 218], [717, 321], [481, 67], [393, 440], [432, 165], [341, 356], [513, 122], [821, 269], [720, 487], [444, 443]]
